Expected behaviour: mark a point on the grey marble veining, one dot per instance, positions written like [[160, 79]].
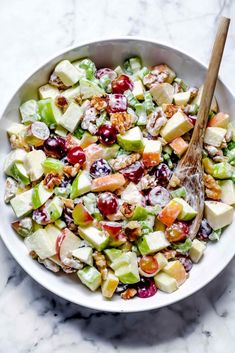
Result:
[[31, 318]]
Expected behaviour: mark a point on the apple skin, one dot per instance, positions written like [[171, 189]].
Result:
[[59, 241], [117, 237], [81, 216]]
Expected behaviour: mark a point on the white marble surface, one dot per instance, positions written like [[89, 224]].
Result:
[[31, 318]]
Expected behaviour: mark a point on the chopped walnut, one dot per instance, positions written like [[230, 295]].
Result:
[[129, 293], [169, 254], [101, 263], [51, 180], [223, 144], [78, 99], [124, 161], [61, 102], [127, 209], [156, 121], [122, 121], [99, 103], [147, 182], [71, 171], [171, 109], [132, 230], [212, 188], [55, 81], [174, 181], [71, 141], [33, 254], [18, 141], [68, 203]]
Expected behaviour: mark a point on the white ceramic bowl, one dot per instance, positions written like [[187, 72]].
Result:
[[110, 53]]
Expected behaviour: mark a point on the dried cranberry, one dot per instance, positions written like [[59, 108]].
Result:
[[178, 231], [107, 134], [106, 71], [100, 168], [76, 155], [134, 172], [117, 103], [55, 146], [107, 203], [159, 196], [186, 262], [40, 216], [122, 84], [163, 174], [204, 231], [146, 288]]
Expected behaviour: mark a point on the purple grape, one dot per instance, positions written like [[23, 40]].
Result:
[[163, 174], [100, 168], [55, 147], [134, 172], [186, 262], [204, 231], [159, 196], [146, 288], [121, 288]]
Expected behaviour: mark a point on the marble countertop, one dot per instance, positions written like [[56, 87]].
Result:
[[31, 318]]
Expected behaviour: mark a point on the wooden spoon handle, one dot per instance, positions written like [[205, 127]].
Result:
[[210, 82]]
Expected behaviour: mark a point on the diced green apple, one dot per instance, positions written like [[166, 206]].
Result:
[[140, 213], [40, 195], [29, 111], [187, 212], [71, 93], [53, 233], [90, 276], [176, 126], [87, 139], [176, 270], [218, 214], [19, 173], [152, 242], [113, 253], [182, 98], [162, 93], [109, 152], [165, 282], [161, 260], [72, 116], [122, 260], [66, 243], [84, 255], [222, 170], [41, 243], [81, 184], [48, 91], [228, 191], [81, 216], [55, 208], [109, 285], [24, 226], [67, 73], [132, 140], [214, 136], [16, 129], [138, 90], [196, 251], [33, 164], [22, 203], [61, 131], [129, 274], [89, 89], [49, 112], [98, 239], [52, 165], [17, 155]]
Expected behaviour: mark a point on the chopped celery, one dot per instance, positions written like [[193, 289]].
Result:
[[222, 170], [135, 64], [89, 67], [141, 73], [180, 192], [141, 113], [105, 82], [63, 191], [118, 70], [132, 101], [181, 83], [78, 132], [215, 235], [167, 149], [148, 101], [183, 247], [192, 109], [127, 67], [101, 119]]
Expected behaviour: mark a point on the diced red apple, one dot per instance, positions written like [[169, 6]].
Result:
[[179, 146], [93, 152], [113, 228], [169, 213], [152, 153], [81, 216], [110, 182], [219, 120], [66, 243]]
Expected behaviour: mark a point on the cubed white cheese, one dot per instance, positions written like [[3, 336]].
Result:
[[197, 249], [72, 116], [67, 73], [214, 136], [218, 214]]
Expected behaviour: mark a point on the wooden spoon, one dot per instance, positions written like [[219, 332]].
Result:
[[189, 169]]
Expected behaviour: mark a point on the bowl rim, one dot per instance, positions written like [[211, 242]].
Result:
[[17, 256]]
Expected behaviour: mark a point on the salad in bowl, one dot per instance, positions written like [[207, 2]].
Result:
[[91, 180]]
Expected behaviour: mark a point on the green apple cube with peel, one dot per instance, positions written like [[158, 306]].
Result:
[[41, 243], [90, 276], [218, 214], [110, 151], [16, 129], [29, 111], [49, 112], [98, 239], [19, 173], [121, 260], [22, 203], [84, 255], [187, 212], [140, 213], [182, 98], [48, 91], [131, 194], [40, 195], [61, 131], [72, 116], [129, 274], [228, 191], [162, 93], [222, 170], [33, 164], [152, 242], [196, 251], [81, 184], [165, 283], [176, 126], [113, 253], [214, 136], [17, 155], [55, 208], [89, 89], [67, 73], [132, 140], [138, 90], [71, 93], [52, 165]]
